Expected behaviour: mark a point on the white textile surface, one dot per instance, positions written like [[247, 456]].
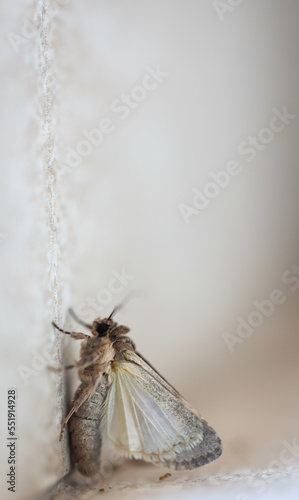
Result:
[[153, 146]]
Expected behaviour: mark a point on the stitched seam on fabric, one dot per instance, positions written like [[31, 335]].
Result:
[[52, 205]]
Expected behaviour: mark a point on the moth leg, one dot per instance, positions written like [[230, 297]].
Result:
[[74, 315], [85, 361], [78, 364], [74, 335], [83, 396]]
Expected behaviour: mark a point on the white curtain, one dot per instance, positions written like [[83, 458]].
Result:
[[153, 146]]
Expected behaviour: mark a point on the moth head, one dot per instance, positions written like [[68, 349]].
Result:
[[107, 326], [101, 327]]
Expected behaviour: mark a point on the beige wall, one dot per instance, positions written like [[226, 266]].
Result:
[[227, 79]]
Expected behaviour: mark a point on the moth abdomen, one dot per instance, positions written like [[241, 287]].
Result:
[[86, 445], [85, 432]]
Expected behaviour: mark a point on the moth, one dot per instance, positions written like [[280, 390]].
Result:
[[125, 402]]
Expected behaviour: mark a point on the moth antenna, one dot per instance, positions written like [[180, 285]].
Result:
[[134, 293], [74, 315], [117, 308]]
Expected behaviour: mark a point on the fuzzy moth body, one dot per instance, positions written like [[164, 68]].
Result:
[[125, 402], [85, 433]]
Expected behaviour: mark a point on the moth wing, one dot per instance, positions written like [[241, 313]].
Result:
[[145, 418]]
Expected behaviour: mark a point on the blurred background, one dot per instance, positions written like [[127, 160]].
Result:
[[176, 144]]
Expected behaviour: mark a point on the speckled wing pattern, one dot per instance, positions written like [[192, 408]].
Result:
[[145, 418]]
